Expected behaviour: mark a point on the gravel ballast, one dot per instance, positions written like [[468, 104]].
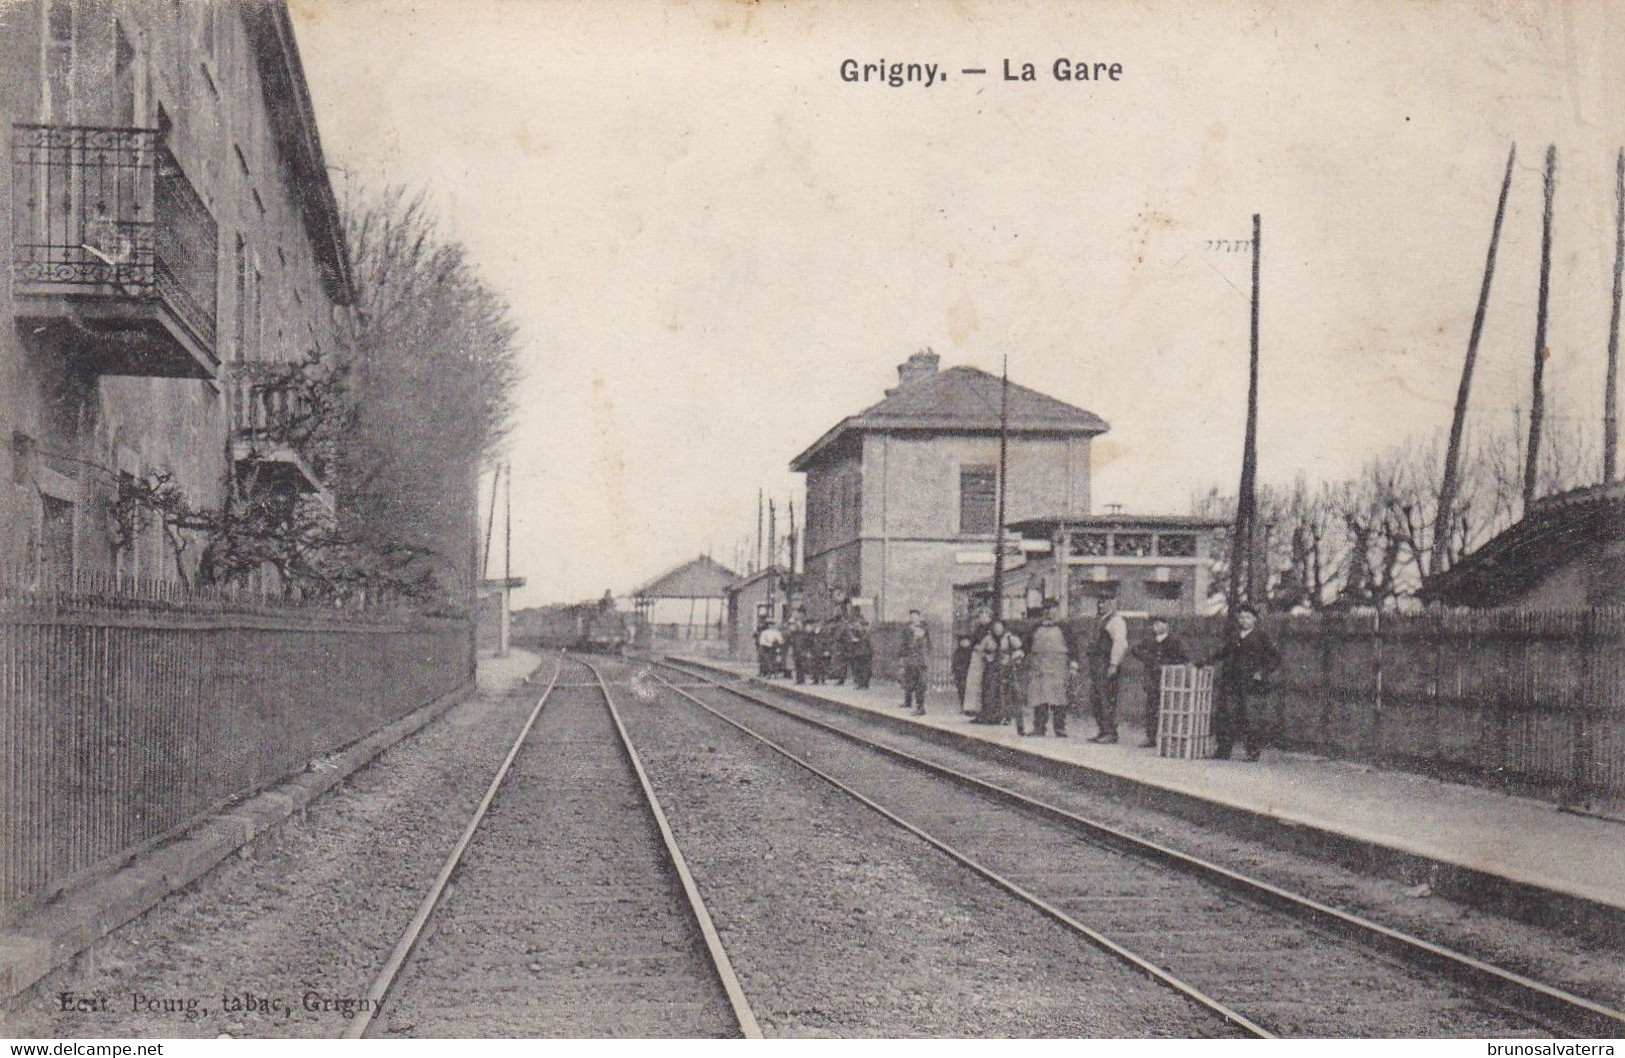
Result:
[[1596, 971], [841, 924], [1294, 980], [566, 917]]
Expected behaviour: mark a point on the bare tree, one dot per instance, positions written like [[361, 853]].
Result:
[[397, 423], [1370, 540]]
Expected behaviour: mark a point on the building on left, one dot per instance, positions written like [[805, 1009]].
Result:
[[170, 232]]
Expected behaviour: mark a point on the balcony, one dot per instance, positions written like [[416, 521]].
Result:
[[114, 254], [267, 418]]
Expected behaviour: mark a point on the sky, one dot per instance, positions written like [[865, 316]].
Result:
[[715, 248]]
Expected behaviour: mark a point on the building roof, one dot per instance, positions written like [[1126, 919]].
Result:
[[958, 400], [699, 578], [762, 574], [1045, 527], [1555, 530], [293, 123]]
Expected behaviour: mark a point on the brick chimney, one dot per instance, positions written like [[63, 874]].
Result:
[[921, 367]]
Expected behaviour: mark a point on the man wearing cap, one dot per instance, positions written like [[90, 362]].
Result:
[[1105, 662], [1249, 660], [1162, 648], [916, 649]]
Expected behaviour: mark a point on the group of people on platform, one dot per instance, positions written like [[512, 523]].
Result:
[[1036, 685], [1002, 680], [817, 651]]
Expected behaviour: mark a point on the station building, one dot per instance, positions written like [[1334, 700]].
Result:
[[901, 498], [169, 227]]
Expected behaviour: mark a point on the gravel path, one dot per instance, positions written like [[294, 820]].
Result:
[[1293, 980], [305, 916], [840, 924], [565, 917], [1589, 970]]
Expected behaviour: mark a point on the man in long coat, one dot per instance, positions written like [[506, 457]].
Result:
[[1049, 660], [832, 648], [860, 646], [1162, 648], [915, 650], [1249, 659], [801, 650]]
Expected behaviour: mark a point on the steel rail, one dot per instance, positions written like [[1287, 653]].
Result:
[[1099, 940], [720, 963], [1528, 997], [385, 978]]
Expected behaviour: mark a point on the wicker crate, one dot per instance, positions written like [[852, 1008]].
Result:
[[1185, 717]]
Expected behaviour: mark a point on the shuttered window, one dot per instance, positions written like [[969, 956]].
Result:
[[978, 499]]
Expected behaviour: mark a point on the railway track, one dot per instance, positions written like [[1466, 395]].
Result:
[[1267, 961], [566, 907]]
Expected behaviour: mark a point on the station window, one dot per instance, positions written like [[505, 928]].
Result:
[[1164, 590], [1089, 545], [978, 499], [1099, 589], [1176, 545], [1134, 545]]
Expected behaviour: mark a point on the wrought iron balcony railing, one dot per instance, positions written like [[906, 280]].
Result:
[[108, 232], [269, 419]]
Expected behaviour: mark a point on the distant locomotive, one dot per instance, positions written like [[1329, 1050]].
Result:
[[597, 627]]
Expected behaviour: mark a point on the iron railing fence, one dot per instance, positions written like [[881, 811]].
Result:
[[127, 714], [1529, 703], [43, 590], [108, 212]]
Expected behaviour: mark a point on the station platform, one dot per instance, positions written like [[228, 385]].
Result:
[[1515, 855]]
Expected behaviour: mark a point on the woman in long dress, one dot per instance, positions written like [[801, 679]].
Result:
[[972, 705]]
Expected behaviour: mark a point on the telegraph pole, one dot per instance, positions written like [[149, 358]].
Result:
[[1458, 422], [1537, 405], [1610, 410], [507, 559], [490, 523], [998, 530], [790, 581], [1242, 545]]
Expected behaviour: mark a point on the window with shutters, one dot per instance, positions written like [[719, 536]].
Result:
[[56, 539], [57, 56], [978, 499]]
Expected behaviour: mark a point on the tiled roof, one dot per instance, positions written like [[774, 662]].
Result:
[[957, 400], [1556, 529], [700, 578]]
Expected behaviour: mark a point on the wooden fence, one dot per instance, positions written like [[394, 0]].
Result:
[[125, 714], [1530, 703]]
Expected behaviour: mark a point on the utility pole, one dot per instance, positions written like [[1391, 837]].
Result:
[[1537, 400], [758, 564], [1610, 410], [1242, 545], [790, 581], [998, 530], [490, 523], [507, 561], [1458, 422]]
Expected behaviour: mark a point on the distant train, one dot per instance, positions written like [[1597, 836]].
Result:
[[597, 627]]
